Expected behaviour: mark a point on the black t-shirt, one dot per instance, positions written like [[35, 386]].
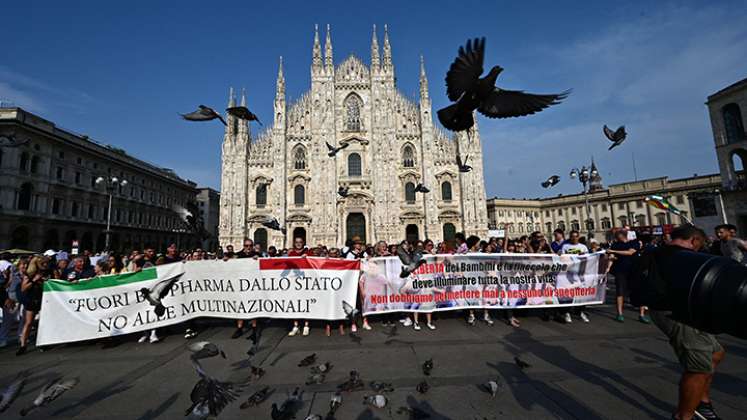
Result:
[[168, 260], [623, 263]]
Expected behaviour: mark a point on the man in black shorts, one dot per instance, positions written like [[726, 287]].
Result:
[[624, 252]]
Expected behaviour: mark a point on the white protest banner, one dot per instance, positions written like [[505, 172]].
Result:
[[289, 288], [493, 281]]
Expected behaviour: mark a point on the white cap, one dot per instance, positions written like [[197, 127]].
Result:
[[50, 252]]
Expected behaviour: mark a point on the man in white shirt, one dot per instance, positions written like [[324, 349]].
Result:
[[574, 247]]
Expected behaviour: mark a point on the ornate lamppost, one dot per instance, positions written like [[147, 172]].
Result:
[[584, 176], [111, 184]]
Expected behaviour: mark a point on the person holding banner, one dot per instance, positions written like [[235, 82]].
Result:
[[299, 250], [575, 247], [32, 289], [473, 247], [427, 250], [624, 252]]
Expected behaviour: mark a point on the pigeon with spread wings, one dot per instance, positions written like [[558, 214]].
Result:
[[243, 113], [274, 224], [160, 290], [332, 150], [551, 181], [470, 92], [203, 113], [410, 260], [50, 393], [616, 137]]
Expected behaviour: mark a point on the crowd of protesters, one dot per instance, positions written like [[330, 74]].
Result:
[[22, 278]]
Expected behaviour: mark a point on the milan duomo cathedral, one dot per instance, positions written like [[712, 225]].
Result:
[[393, 145]]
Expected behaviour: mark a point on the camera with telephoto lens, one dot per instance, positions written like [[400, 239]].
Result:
[[706, 292]]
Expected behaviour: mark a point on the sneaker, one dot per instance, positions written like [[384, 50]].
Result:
[[406, 322], [190, 333], [366, 326], [514, 322], [143, 339], [584, 317], [430, 326], [294, 331], [705, 411], [21, 351], [236, 334], [620, 318], [305, 330], [487, 319], [354, 328], [153, 338], [471, 319], [644, 319], [567, 318], [416, 326]]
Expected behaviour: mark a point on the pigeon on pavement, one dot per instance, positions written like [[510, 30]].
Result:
[[204, 350], [427, 367], [470, 92], [257, 398], [492, 387], [378, 400], [422, 387], [521, 364], [50, 393], [308, 360], [203, 113], [617, 137]]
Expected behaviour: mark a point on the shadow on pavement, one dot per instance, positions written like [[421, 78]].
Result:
[[100, 395], [560, 357], [155, 413]]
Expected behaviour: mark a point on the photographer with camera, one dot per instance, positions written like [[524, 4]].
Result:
[[697, 351]]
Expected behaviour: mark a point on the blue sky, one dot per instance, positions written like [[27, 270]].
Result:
[[120, 71]]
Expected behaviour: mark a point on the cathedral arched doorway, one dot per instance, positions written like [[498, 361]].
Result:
[[355, 225], [411, 233], [299, 232], [449, 233], [260, 237]]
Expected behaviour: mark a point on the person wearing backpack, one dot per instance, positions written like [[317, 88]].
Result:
[[698, 352]]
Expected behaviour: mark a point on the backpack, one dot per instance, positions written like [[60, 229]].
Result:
[[647, 286]]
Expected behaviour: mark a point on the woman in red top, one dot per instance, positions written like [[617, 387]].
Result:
[[299, 250]]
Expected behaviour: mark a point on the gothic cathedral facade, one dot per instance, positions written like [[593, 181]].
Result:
[[392, 145]]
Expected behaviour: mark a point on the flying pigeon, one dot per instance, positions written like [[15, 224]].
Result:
[[422, 189], [463, 167], [422, 387], [616, 137], [414, 412], [205, 349], [289, 407], [257, 398], [323, 368], [343, 192], [316, 378], [381, 386], [243, 113], [465, 87], [9, 140], [410, 260], [492, 387], [203, 113], [521, 364], [10, 393], [308, 360], [427, 367], [159, 291], [313, 417], [350, 311], [552, 181], [272, 223], [378, 400], [210, 396], [333, 150], [50, 392]]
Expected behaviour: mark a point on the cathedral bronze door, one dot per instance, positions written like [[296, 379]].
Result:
[[355, 225]]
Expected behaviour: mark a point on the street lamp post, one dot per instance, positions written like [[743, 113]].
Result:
[[584, 176], [111, 183]]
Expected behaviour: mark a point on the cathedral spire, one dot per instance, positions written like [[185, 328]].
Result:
[[423, 79], [243, 96], [374, 51], [231, 98], [280, 87], [387, 50], [316, 60], [328, 51]]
